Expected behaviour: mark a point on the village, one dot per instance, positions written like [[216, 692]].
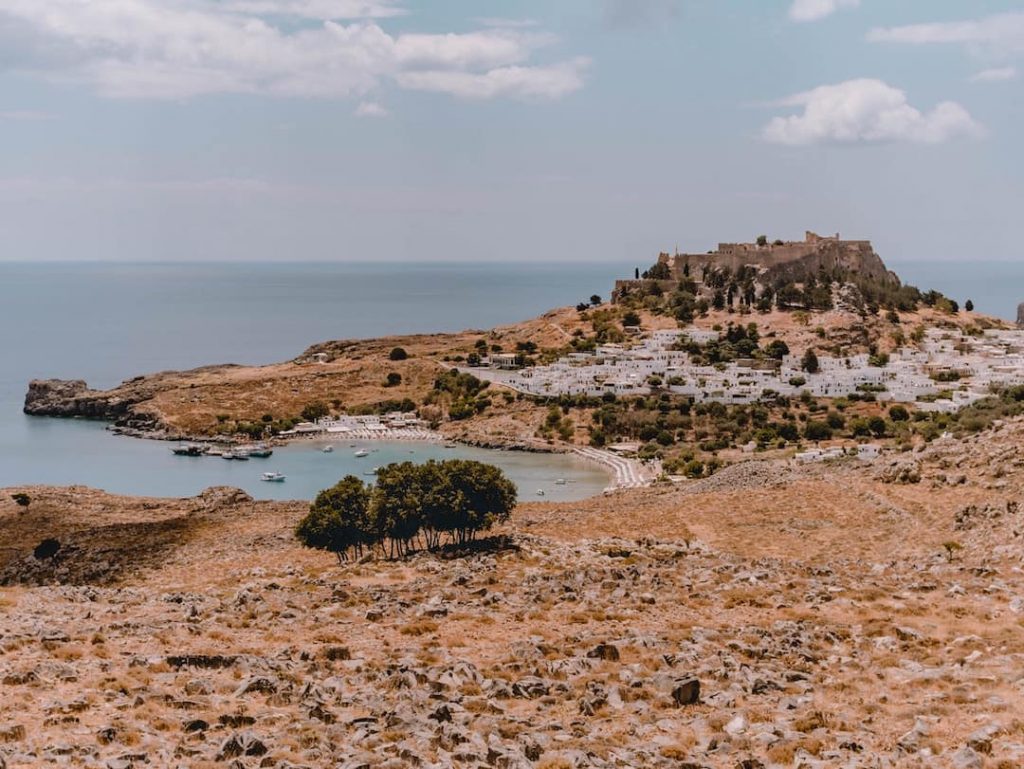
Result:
[[946, 371]]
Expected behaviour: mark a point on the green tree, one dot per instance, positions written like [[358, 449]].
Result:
[[394, 379], [476, 496], [315, 411], [338, 519], [809, 362], [762, 240], [398, 353], [817, 431], [969, 306], [397, 505], [899, 413], [777, 349], [631, 318], [595, 300], [877, 426]]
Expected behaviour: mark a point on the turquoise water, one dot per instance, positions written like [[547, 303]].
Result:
[[108, 322]]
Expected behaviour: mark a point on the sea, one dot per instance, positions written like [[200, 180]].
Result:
[[106, 322]]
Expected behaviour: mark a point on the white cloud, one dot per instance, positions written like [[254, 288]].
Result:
[[814, 10], [317, 9], [867, 110], [996, 75], [999, 35], [528, 82], [370, 109], [164, 49]]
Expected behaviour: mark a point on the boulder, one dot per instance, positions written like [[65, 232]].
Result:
[[686, 691]]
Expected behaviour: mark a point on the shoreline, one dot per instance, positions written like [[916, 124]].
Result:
[[623, 472]]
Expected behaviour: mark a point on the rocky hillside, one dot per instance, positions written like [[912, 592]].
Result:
[[770, 616]]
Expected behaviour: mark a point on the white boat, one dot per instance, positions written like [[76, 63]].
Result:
[[327, 449], [362, 453], [540, 492], [273, 477], [560, 482]]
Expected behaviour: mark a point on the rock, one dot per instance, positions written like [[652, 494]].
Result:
[[686, 691], [258, 685], [205, 661], [966, 758], [46, 549], [604, 651], [242, 744], [530, 688], [1020, 315], [736, 726]]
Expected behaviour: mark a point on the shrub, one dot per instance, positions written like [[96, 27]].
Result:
[[899, 413], [315, 411], [398, 353], [393, 380], [817, 431], [22, 499]]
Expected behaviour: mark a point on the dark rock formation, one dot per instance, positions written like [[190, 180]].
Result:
[[74, 398], [1020, 315]]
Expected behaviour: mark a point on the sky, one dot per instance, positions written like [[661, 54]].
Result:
[[511, 130]]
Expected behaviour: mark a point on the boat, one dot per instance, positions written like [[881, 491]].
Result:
[[540, 492], [450, 446], [188, 451], [241, 456], [273, 477], [362, 453], [259, 451], [560, 482], [327, 449]]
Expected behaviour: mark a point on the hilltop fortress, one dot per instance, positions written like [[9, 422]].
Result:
[[776, 262]]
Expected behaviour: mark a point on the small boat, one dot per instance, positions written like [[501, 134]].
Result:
[[188, 451], [327, 449], [450, 446], [560, 482], [260, 451], [241, 456], [273, 477], [540, 492], [362, 453]]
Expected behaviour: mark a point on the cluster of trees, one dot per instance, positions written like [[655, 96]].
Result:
[[462, 394], [410, 507]]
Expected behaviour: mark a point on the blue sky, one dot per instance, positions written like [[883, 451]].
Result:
[[514, 130]]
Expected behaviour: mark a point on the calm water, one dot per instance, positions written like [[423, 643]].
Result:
[[107, 322]]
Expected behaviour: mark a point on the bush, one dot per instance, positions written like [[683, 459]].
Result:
[[398, 353], [817, 431], [393, 380], [315, 411], [22, 499], [899, 414]]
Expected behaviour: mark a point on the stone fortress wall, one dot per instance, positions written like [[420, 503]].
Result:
[[791, 261]]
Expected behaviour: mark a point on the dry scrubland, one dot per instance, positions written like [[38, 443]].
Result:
[[815, 608]]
